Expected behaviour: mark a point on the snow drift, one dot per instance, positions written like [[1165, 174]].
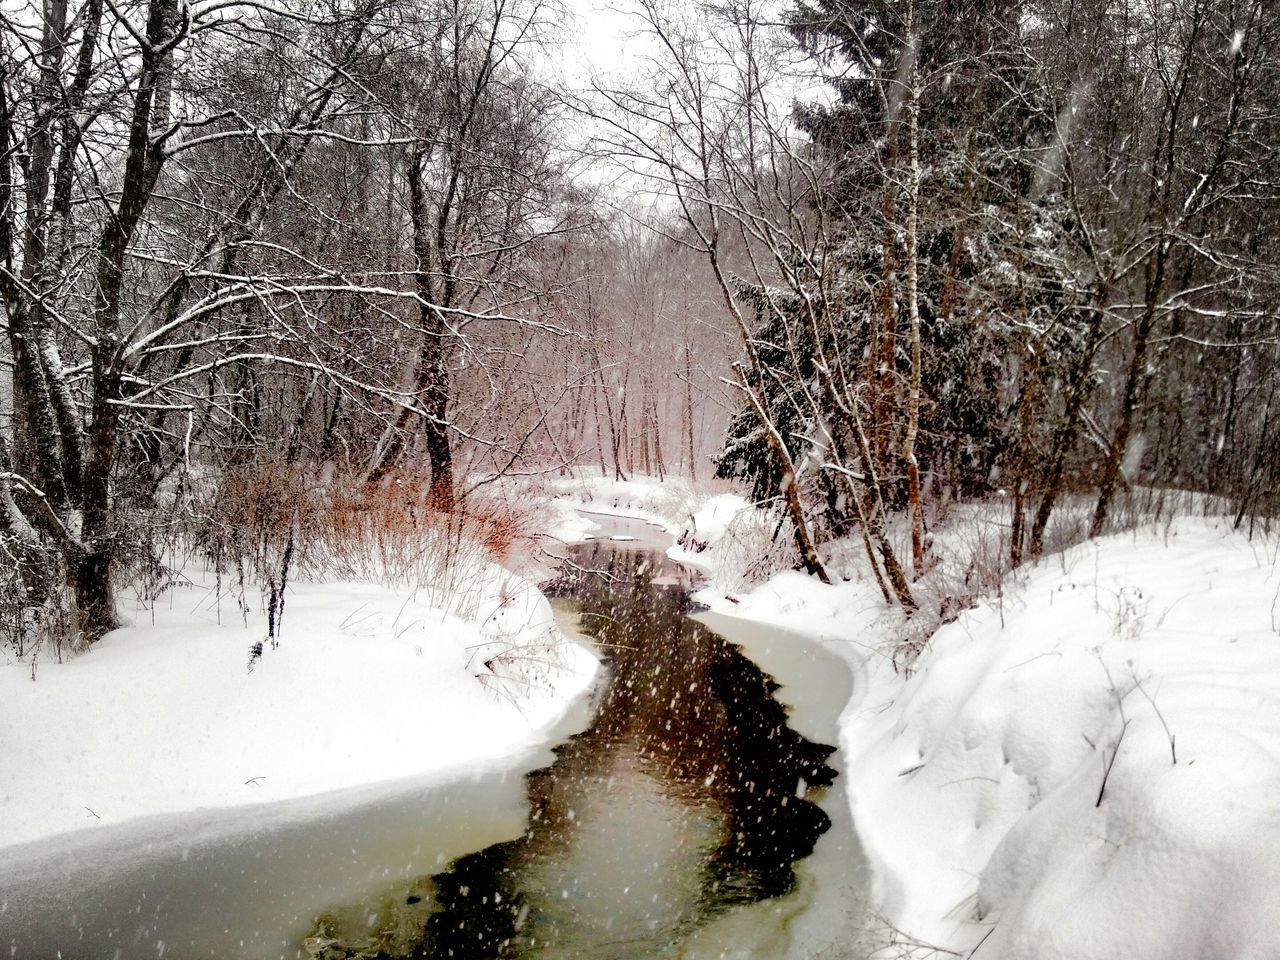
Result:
[[369, 683], [1089, 767]]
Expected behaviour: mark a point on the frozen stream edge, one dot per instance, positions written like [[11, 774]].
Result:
[[187, 871], [183, 876], [826, 915]]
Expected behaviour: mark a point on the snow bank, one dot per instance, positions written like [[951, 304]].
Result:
[[570, 526], [977, 783], [978, 786], [663, 502], [720, 534], [712, 520], [368, 684]]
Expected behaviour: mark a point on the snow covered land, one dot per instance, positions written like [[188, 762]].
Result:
[[369, 683], [1085, 764], [1089, 766], [1082, 763]]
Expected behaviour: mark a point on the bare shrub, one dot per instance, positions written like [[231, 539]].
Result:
[[258, 522], [755, 545], [32, 628], [392, 534]]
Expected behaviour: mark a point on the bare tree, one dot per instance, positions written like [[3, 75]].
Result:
[[94, 267], [483, 191]]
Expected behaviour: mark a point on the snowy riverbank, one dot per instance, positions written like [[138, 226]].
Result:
[[369, 684], [1086, 765], [1089, 766]]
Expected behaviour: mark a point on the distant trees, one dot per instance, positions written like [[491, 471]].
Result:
[[1020, 245], [230, 232], [640, 366], [483, 189]]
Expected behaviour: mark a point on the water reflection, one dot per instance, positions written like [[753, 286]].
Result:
[[684, 798]]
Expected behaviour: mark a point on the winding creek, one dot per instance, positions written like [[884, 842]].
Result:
[[698, 812]]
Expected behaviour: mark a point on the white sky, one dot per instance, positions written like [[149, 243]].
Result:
[[601, 39]]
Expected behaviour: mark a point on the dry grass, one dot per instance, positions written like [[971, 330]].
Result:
[[259, 524]]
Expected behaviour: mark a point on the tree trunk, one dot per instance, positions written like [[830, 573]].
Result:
[[1022, 470], [1132, 389], [94, 594], [91, 562], [1064, 440], [1124, 429], [913, 300], [688, 409], [439, 452]]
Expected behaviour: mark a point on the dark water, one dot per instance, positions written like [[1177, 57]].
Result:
[[685, 798], [670, 828]]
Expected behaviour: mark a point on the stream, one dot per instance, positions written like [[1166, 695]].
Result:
[[692, 809]]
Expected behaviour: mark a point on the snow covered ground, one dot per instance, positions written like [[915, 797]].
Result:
[[368, 684], [664, 503], [1088, 766], [1084, 765]]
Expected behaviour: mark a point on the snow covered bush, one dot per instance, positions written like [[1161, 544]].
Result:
[[29, 630], [737, 544]]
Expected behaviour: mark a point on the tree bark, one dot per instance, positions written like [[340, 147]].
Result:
[[913, 298], [1068, 431]]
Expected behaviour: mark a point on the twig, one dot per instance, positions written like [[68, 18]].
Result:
[[1173, 749], [1111, 763], [1048, 653], [960, 780], [348, 622], [602, 574], [981, 942], [899, 938]]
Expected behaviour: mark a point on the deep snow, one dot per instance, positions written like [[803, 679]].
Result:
[[976, 778], [980, 784], [368, 684]]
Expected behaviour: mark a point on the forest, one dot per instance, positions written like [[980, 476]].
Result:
[[913, 297], [867, 255]]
